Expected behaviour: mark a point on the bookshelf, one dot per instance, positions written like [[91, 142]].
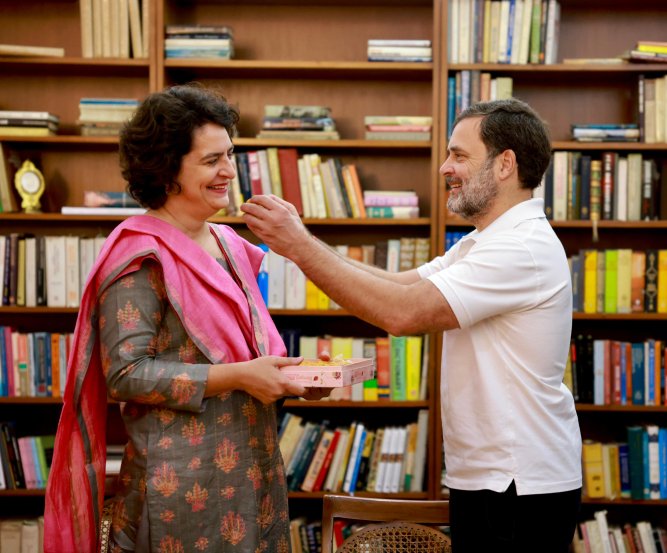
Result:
[[289, 56], [311, 63], [564, 94]]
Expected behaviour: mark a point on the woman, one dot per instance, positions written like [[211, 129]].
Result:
[[173, 326]]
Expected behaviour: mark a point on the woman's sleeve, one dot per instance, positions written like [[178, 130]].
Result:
[[141, 358]]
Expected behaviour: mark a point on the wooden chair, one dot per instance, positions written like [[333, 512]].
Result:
[[395, 525]]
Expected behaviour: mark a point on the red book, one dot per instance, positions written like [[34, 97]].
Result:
[[321, 476], [289, 177], [255, 175]]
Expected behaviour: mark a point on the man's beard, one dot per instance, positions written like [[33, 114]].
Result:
[[475, 196]]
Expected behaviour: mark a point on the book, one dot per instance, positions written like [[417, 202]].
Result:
[[119, 211], [392, 212], [36, 51], [289, 177], [398, 135], [592, 465]]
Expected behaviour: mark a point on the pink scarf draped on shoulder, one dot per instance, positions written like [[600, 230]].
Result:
[[227, 322]]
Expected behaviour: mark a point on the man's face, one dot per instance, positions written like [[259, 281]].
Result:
[[469, 172]]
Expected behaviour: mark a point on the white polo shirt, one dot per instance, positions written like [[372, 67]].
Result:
[[506, 414]]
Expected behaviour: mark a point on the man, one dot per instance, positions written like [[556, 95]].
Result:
[[502, 295]]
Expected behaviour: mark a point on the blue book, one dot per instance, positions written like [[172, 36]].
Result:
[[451, 104], [623, 372], [638, 373], [350, 483], [649, 371], [624, 469], [636, 455]]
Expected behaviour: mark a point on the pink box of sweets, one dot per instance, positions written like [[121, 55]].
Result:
[[331, 374]]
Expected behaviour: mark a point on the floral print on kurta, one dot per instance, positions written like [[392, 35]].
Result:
[[198, 474]]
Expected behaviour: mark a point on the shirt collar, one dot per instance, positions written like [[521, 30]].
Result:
[[528, 209]]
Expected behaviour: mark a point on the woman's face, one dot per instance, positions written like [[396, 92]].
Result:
[[206, 173]]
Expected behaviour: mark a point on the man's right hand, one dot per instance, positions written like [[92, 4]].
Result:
[[277, 223]]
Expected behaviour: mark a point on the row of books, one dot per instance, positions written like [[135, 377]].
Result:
[[25, 460], [116, 29], [597, 535], [405, 50], [286, 287], [617, 186], [619, 280], [401, 363], [33, 364], [388, 459], [503, 31], [199, 42], [305, 535], [635, 468], [398, 127], [317, 188], [652, 108], [45, 270], [465, 88], [24, 535], [617, 372], [105, 116]]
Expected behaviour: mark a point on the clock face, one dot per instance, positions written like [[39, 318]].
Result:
[[30, 182]]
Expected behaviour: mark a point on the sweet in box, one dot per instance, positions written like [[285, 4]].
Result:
[[331, 374]]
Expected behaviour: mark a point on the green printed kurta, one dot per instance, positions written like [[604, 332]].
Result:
[[198, 474]]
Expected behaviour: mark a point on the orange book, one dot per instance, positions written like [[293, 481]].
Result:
[[383, 367], [350, 172], [55, 364], [637, 278]]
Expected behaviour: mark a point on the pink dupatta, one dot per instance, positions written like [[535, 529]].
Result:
[[223, 320]]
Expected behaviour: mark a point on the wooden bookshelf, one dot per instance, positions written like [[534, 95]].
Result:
[[312, 53], [564, 94]]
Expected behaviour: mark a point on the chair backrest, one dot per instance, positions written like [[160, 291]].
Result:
[[394, 524]]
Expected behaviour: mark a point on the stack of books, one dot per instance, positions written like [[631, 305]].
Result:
[[28, 123], [298, 122], [399, 50], [104, 116], [648, 50], [391, 204], [612, 132], [199, 41], [398, 127]]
